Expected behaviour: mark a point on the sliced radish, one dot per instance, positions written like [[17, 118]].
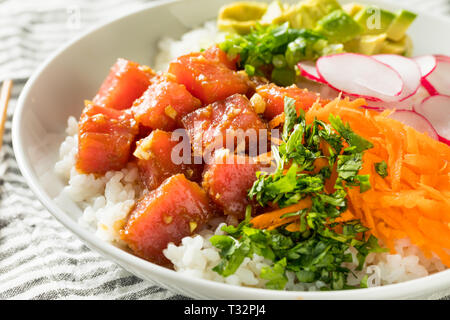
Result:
[[360, 75], [442, 57], [324, 90], [408, 70], [443, 140], [416, 121], [436, 109], [429, 87], [439, 80], [378, 109], [407, 104], [309, 71], [426, 63], [390, 105]]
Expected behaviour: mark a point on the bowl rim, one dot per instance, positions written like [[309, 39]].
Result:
[[426, 284]]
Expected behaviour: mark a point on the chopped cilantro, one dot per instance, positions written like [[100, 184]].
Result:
[[232, 253], [320, 245], [381, 169], [358, 143], [276, 275], [290, 117], [363, 283]]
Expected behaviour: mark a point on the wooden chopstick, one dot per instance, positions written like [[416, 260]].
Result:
[[4, 99]]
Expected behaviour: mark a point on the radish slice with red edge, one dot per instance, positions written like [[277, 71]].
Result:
[[438, 82], [324, 90], [429, 87], [377, 109], [407, 104], [408, 70], [443, 140], [426, 63], [436, 109], [416, 121], [381, 105], [442, 57], [309, 71], [360, 75]]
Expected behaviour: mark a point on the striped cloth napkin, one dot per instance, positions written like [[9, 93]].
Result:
[[39, 258]]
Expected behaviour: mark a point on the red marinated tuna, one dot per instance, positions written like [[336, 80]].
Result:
[[174, 210], [163, 105], [215, 53], [207, 79], [105, 137], [274, 95], [157, 163], [125, 83], [227, 180], [208, 127]]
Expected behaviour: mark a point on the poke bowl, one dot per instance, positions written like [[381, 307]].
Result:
[[359, 202]]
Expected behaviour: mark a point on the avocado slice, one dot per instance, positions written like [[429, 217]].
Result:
[[403, 47], [371, 44], [241, 16], [401, 23], [366, 44], [352, 8], [274, 13], [338, 26], [305, 14], [374, 20]]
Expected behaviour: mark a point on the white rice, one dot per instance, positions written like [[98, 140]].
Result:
[[106, 201], [192, 41]]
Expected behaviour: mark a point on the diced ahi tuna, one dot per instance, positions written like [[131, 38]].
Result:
[[163, 105], [227, 180], [215, 53], [209, 127], [174, 210], [274, 96], [208, 80], [157, 163], [105, 137], [125, 83]]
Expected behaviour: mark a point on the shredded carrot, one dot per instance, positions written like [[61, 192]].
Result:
[[274, 219], [414, 199], [278, 120], [319, 164], [345, 216], [294, 226]]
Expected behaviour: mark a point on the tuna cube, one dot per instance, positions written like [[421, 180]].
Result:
[[163, 105], [125, 83], [215, 53], [209, 127], [227, 181], [207, 79], [274, 95], [105, 138], [174, 210], [159, 158]]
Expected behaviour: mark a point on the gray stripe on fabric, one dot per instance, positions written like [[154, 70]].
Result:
[[141, 294], [72, 260], [106, 286], [23, 287]]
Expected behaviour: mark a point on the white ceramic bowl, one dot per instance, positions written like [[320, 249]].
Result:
[[57, 90]]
